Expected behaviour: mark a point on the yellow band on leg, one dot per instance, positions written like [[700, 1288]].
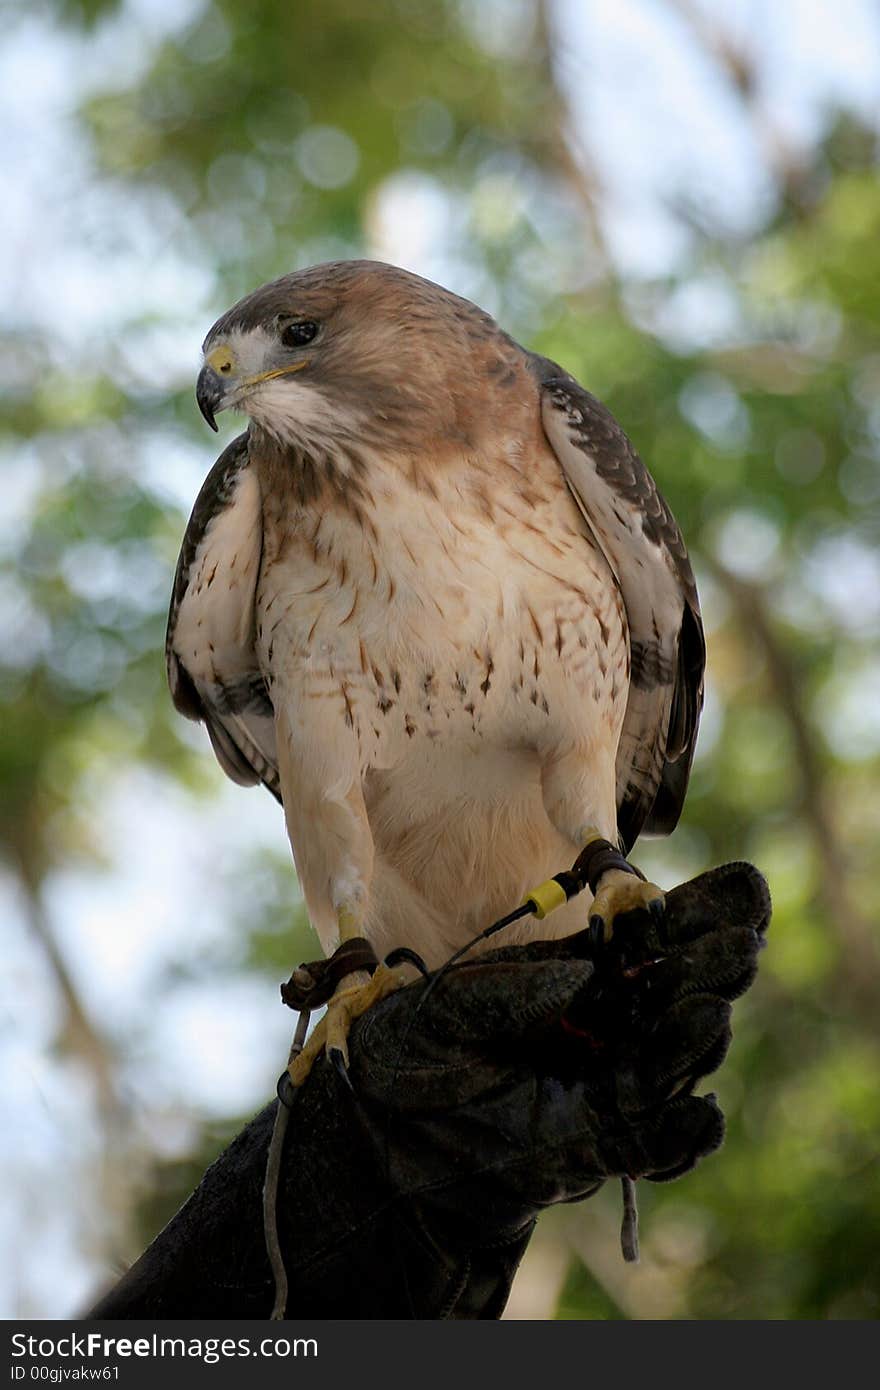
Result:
[[546, 898], [350, 922]]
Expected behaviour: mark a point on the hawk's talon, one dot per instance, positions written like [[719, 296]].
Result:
[[597, 934], [402, 955], [285, 1090], [619, 892], [347, 1004], [340, 1065]]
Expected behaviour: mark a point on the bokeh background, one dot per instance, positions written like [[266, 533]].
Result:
[[679, 201]]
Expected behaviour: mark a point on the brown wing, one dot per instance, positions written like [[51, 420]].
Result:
[[210, 655], [643, 545]]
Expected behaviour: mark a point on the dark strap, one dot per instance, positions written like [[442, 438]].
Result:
[[314, 982], [594, 861]]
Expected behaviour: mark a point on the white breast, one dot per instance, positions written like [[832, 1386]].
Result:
[[432, 601]]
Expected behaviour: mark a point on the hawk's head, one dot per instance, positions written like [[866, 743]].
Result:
[[355, 350]]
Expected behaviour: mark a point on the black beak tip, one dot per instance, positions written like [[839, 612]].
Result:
[[206, 407], [209, 393]]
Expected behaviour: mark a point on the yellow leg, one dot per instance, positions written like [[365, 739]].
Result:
[[357, 993], [619, 892], [350, 919], [347, 1004]]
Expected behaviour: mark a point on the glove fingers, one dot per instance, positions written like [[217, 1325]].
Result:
[[690, 1040], [685, 1131], [665, 1144], [723, 962], [734, 894], [729, 899]]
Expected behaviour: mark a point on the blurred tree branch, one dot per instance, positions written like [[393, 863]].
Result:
[[739, 67], [566, 153], [858, 967], [78, 1034]]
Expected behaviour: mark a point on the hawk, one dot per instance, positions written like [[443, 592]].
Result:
[[433, 600]]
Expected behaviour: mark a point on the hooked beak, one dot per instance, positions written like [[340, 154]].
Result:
[[210, 390], [219, 384]]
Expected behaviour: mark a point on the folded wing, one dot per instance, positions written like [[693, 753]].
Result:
[[210, 649], [643, 545]]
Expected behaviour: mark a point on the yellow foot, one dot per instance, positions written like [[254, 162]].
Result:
[[620, 892], [347, 1004]]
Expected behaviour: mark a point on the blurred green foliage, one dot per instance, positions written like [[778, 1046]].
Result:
[[276, 131]]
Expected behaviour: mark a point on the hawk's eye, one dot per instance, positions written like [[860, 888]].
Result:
[[297, 334]]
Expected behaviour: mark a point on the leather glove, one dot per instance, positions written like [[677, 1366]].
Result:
[[522, 1078]]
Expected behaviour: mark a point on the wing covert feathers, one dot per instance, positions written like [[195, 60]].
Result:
[[643, 545], [210, 655]]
